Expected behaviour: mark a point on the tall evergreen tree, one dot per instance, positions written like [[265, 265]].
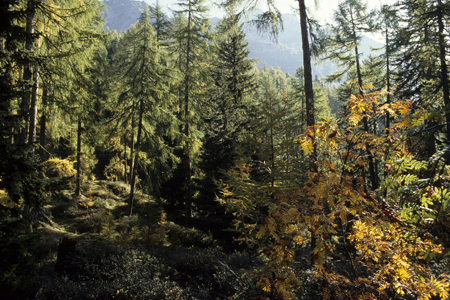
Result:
[[27, 72], [229, 106], [160, 22], [71, 39], [352, 20], [195, 40], [388, 25], [421, 66], [145, 86]]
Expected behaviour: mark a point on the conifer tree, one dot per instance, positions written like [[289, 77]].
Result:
[[275, 128], [72, 33], [352, 20], [145, 90], [389, 24], [420, 40], [321, 106], [27, 72], [160, 22], [230, 104], [19, 172], [194, 40]]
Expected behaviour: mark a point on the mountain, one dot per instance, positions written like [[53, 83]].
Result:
[[285, 54], [121, 14]]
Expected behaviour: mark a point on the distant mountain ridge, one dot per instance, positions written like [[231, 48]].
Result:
[[121, 14], [285, 54]]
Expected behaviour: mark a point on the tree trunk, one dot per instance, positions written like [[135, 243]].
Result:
[[388, 76], [186, 126], [43, 122], [372, 173], [444, 71], [78, 179], [33, 109], [136, 160], [125, 158], [309, 92], [132, 148], [27, 75]]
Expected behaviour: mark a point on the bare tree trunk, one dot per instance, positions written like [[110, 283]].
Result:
[[309, 91], [33, 109], [132, 148], [136, 160], [78, 179], [27, 75], [388, 76], [444, 71], [125, 178], [186, 127], [43, 121]]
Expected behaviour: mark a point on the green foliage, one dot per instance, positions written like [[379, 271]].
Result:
[[20, 253], [145, 98], [161, 23], [22, 180], [388, 227], [56, 167], [352, 20], [226, 120], [103, 271]]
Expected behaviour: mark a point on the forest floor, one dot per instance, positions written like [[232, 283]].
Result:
[[140, 257], [147, 256], [98, 221]]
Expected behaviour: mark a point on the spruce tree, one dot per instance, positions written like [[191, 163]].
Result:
[[229, 106]]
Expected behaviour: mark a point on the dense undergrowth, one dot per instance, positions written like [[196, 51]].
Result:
[[114, 256]]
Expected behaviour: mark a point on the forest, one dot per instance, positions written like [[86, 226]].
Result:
[[161, 163]]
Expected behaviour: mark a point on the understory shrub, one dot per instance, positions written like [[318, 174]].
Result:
[[102, 271]]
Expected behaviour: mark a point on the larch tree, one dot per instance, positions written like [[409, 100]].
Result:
[[146, 88], [72, 33], [352, 20], [195, 41], [160, 22], [421, 67]]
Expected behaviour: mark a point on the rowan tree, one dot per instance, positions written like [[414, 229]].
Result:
[[390, 240]]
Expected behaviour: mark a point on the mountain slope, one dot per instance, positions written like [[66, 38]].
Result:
[[285, 54], [121, 14]]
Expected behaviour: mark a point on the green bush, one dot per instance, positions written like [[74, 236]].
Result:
[[20, 252], [101, 271]]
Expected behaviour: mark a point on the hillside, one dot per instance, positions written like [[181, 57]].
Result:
[[286, 54], [121, 14]]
